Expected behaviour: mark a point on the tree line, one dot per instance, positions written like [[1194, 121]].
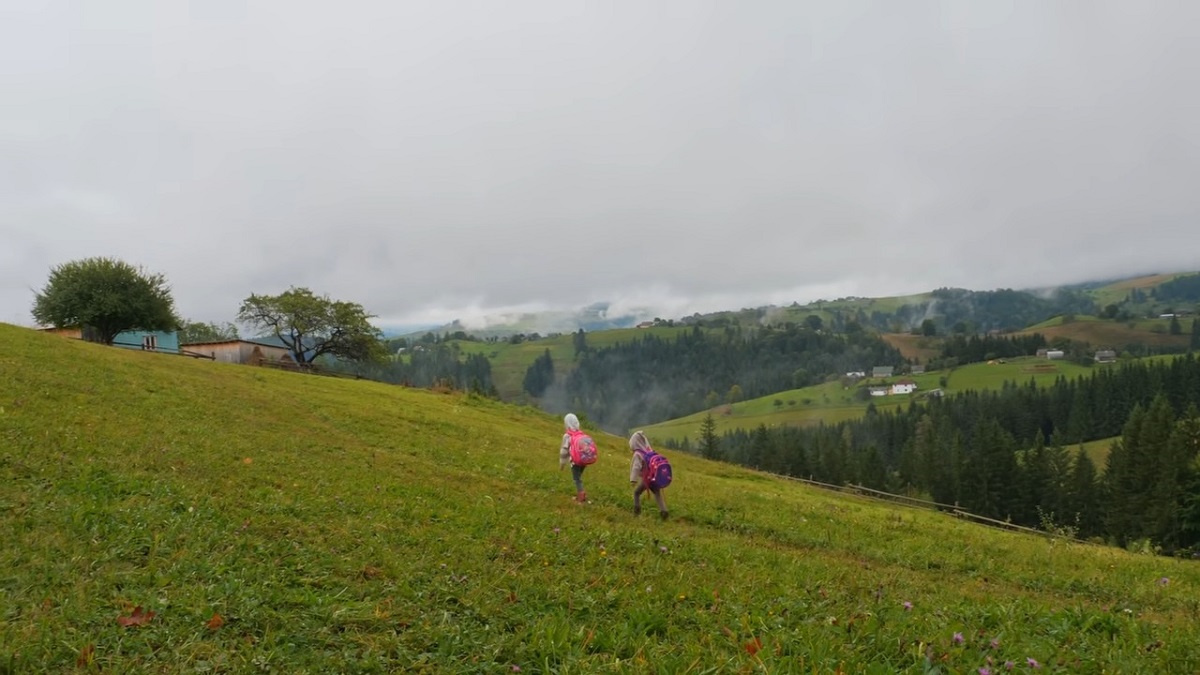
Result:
[[650, 378], [1008, 454]]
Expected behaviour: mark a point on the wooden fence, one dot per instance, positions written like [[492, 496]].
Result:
[[953, 509]]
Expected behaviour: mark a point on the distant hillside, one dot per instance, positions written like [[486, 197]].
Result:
[[1119, 291], [162, 514], [1109, 334], [977, 310], [838, 401], [594, 317]]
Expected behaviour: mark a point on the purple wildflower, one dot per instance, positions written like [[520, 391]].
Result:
[[958, 638], [907, 606], [995, 643], [985, 671], [555, 531], [1008, 665], [662, 549], [1164, 581], [1032, 662], [516, 668]]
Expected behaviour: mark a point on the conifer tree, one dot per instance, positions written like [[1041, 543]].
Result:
[[710, 446], [1084, 495]]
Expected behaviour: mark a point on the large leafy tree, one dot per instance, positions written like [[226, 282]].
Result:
[[310, 325], [197, 331], [106, 296]]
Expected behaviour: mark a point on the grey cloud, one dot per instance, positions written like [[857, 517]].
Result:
[[451, 159]]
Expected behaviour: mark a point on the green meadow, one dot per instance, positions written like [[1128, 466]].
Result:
[[1118, 291], [1101, 333], [832, 402], [164, 515]]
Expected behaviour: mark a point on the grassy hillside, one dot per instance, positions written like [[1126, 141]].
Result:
[[510, 361], [1102, 333], [278, 522], [831, 402], [1117, 291], [918, 348]]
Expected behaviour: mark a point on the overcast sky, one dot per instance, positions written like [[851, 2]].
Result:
[[434, 160]]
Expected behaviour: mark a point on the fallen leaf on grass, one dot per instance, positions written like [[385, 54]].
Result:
[[139, 617], [753, 646], [215, 622], [87, 655]]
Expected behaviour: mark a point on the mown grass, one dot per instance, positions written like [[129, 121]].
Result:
[[348, 526], [1097, 451], [1106, 333], [918, 348]]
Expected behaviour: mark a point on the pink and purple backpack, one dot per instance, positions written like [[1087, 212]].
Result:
[[656, 470], [582, 448]]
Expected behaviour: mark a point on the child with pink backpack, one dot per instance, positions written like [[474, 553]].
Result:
[[577, 449], [648, 471]]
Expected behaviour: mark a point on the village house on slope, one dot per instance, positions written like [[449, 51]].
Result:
[[146, 340], [904, 387], [248, 352]]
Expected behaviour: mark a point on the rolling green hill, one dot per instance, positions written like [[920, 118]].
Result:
[[510, 361], [831, 402], [161, 514], [1118, 290], [1112, 334]]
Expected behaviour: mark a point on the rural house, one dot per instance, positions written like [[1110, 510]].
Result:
[[904, 387], [1105, 356], [1055, 354], [147, 340], [918, 370], [247, 352], [882, 371], [878, 391]]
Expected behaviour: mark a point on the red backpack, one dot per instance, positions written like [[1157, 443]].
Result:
[[582, 448], [656, 470]]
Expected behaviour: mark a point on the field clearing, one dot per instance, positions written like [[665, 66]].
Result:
[[1111, 334], [1116, 292], [162, 514], [1097, 451], [918, 348], [981, 376]]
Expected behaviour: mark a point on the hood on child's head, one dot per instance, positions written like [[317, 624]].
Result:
[[638, 441], [571, 421]]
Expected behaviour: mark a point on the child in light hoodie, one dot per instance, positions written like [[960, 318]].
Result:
[[571, 422], [640, 445]]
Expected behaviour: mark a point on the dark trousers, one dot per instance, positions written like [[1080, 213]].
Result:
[[658, 497]]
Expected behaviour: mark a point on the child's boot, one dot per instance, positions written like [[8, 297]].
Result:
[[581, 497], [662, 514]]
